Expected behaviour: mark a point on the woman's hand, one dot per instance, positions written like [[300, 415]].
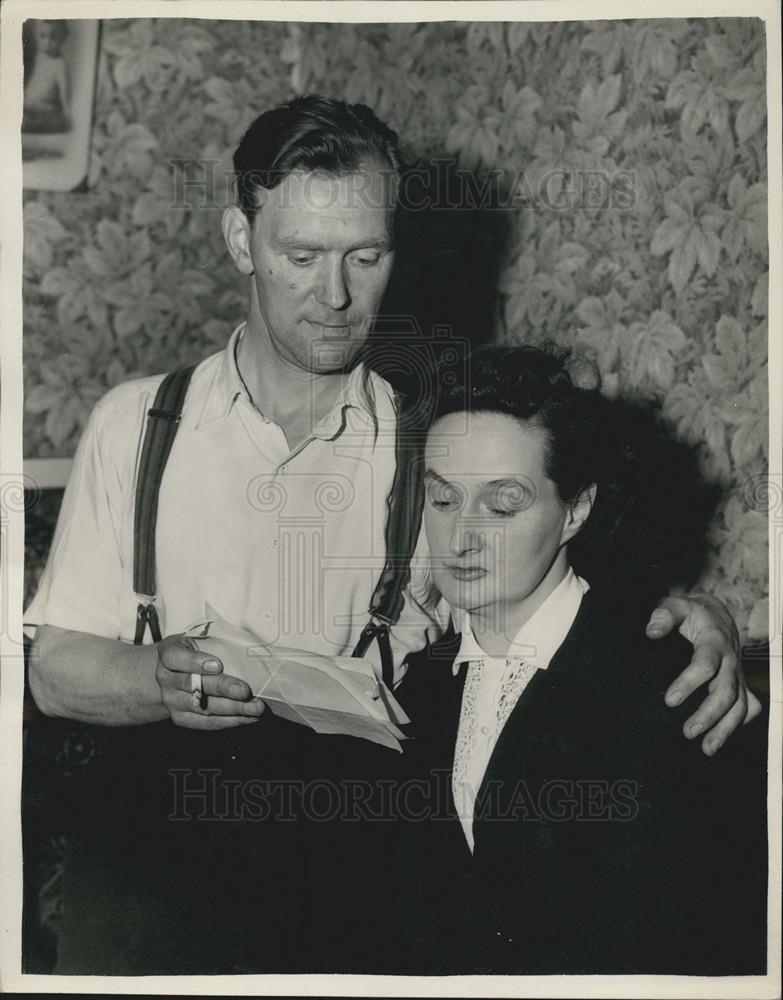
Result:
[[706, 623]]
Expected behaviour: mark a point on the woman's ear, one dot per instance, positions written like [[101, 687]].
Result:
[[578, 513], [236, 233]]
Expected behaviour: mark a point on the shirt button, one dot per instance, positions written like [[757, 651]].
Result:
[[484, 730], [267, 616], [275, 542]]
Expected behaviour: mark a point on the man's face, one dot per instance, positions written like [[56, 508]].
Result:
[[322, 253]]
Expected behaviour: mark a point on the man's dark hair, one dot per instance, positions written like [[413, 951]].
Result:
[[647, 525], [310, 133]]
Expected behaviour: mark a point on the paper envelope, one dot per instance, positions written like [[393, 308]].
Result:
[[341, 695]]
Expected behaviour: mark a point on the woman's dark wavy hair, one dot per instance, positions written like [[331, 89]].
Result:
[[647, 525], [310, 133]]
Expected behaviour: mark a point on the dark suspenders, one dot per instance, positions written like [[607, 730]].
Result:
[[162, 423], [402, 526], [402, 531]]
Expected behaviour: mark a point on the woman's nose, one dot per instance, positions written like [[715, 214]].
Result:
[[333, 288], [464, 537]]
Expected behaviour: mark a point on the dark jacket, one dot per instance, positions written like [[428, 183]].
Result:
[[604, 841]]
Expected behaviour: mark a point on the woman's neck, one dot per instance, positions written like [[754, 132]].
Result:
[[496, 625]]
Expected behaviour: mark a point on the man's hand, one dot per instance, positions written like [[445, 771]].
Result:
[[707, 624], [229, 701]]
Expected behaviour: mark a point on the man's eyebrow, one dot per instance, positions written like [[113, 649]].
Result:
[[377, 242], [298, 243]]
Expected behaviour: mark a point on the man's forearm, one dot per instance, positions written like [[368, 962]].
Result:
[[85, 677]]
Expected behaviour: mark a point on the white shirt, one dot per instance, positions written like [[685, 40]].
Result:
[[494, 685], [288, 544]]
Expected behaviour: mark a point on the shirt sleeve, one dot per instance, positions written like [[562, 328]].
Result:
[[87, 583]]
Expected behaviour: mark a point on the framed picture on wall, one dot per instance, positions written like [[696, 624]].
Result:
[[60, 57]]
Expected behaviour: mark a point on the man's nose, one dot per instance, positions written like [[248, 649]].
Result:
[[464, 537], [333, 288]]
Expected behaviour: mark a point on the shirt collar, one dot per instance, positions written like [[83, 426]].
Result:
[[540, 637], [227, 386], [352, 396]]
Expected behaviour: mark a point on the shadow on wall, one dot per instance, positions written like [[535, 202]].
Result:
[[451, 244], [651, 530]]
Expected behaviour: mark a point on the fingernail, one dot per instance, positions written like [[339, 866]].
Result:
[[237, 691], [695, 729], [675, 698], [714, 745], [211, 666]]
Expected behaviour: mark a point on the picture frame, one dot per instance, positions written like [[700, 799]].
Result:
[[60, 62]]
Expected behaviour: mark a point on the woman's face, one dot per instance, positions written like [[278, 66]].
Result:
[[495, 524]]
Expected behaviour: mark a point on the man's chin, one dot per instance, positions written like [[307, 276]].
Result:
[[332, 356]]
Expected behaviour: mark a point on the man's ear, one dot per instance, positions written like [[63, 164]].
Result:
[[236, 233], [578, 513]]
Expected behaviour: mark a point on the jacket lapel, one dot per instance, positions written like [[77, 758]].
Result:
[[508, 765], [432, 697]]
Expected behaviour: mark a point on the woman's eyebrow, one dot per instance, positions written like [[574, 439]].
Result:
[[487, 484], [506, 481], [432, 474]]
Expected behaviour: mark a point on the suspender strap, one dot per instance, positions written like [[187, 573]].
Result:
[[404, 503], [378, 630], [162, 423]]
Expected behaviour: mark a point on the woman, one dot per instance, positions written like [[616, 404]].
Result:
[[585, 835]]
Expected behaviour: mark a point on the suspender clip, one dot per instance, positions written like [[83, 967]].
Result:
[[379, 619], [173, 418]]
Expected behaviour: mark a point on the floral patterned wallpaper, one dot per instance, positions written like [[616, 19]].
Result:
[[633, 152]]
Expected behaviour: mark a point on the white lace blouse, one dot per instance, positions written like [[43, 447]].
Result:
[[494, 685]]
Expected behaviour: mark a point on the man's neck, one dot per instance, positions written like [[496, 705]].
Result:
[[293, 398]]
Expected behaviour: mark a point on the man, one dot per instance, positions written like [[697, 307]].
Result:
[[273, 504]]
